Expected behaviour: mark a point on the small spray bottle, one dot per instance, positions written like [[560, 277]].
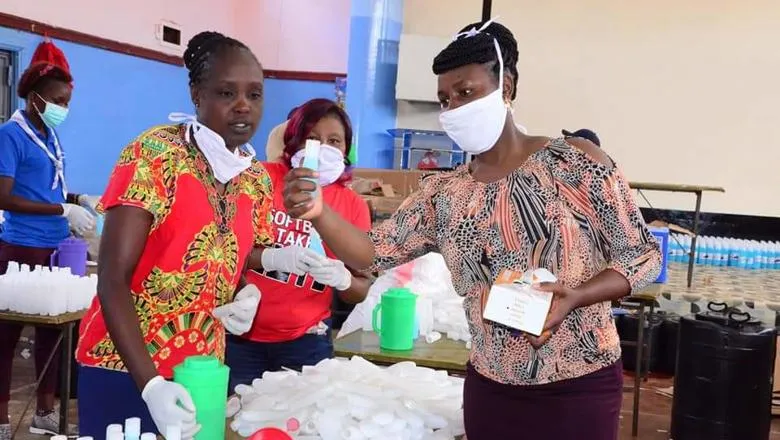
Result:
[[311, 157], [315, 242]]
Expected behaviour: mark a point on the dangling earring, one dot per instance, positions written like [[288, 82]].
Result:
[[509, 107]]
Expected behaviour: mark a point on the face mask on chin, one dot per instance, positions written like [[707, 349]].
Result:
[[476, 126], [331, 163], [225, 164]]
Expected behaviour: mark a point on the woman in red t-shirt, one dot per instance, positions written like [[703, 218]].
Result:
[[292, 326]]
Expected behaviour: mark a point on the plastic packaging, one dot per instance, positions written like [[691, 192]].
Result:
[[725, 251], [45, 291], [355, 399], [439, 308], [207, 381]]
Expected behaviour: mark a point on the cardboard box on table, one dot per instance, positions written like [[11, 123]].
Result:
[[385, 190]]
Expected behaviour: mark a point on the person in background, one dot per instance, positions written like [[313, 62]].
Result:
[[583, 133], [187, 207], [274, 149], [292, 327], [533, 202], [38, 210]]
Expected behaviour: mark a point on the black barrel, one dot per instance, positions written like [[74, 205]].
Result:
[[628, 327], [723, 382], [667, 344]]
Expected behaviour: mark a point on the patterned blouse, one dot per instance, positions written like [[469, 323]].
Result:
[[194, 253], [560, 210]]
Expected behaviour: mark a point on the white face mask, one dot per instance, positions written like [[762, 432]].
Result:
[[476, 126], [331, 163], [225, 164]]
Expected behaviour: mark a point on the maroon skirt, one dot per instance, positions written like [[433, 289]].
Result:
[[585, 408]]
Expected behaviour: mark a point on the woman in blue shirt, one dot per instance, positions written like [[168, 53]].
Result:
[[38, 211]]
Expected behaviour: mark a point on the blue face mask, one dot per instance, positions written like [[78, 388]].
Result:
[[52, 115]]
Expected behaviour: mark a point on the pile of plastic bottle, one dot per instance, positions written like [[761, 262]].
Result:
[[352, 399], [722, 251], [45, 291]]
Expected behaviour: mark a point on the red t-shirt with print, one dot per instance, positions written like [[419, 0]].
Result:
[[292, 304]]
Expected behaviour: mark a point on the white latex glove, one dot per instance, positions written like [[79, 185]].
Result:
[[89, 202], [292, 259], [332, 273], [170, 404], [237, 316], [79, 218]]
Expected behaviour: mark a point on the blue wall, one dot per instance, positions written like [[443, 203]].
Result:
[[281, 96], [372, 68], [117, 96]]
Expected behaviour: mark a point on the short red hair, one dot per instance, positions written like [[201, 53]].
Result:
[[302, 121]]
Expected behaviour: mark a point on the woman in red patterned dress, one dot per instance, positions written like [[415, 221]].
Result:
[[185, 206], [524, 202]]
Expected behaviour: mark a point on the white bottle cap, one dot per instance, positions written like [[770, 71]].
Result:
[[114, 427], [133, 427], [115, 435], [148, 436]]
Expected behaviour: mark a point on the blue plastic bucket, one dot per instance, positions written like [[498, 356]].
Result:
[[662, 235]]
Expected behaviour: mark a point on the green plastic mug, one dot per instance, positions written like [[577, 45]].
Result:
[[206, 378], [398, 309]]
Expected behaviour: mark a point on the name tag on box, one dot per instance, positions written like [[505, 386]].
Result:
[[513, 303]]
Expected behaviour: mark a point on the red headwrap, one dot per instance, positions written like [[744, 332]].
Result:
[[47, 61]]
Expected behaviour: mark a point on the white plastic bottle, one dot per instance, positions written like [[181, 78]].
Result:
[[132, 428], [776, 255], [716, 248]]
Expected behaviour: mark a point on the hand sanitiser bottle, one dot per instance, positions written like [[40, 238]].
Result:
[[315, 242], [311, 157]]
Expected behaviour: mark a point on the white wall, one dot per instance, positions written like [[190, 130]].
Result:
[[303, 35], [130, 22], [678, 92]]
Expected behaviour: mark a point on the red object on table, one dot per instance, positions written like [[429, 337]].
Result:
[[270, 434]]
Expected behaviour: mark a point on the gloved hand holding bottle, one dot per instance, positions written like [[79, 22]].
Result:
[[291, 259], [237, 316], [80, 219], [332, 273], [89, 202], [170, 404]]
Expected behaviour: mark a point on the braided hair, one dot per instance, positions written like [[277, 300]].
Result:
[[201, 51], [479, 49]]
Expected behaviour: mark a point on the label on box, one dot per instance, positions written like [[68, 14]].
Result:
[[513, 303]]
